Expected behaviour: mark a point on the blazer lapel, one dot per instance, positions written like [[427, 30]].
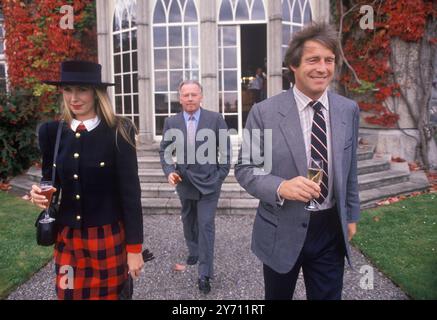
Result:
[[338, 125], [291, 129]]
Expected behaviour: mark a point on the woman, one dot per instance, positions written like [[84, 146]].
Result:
[[100, 217]]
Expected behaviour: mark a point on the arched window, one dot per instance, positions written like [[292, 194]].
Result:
[[175, 54], [125, 59], [295, 14], [242, 10]]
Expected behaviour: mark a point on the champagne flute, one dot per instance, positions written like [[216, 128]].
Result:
[[315, 173], [47, 190]]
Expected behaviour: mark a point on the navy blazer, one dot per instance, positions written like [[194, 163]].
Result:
[[97, 172]]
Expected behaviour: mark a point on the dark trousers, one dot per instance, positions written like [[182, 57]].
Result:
[[321, 260]]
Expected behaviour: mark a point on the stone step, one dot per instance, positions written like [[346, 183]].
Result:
[[225, 206], [381, 179], [417, 182], [164, 190], [372, 165], [365, 152], [157, 176]]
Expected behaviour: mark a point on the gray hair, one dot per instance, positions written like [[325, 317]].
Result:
[[197, 83]]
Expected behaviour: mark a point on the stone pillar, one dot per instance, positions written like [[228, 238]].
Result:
[[209, 53], [145, 94], [103, 39], [274, 51]]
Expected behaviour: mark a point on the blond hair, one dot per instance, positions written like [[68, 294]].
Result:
[[104, 111]]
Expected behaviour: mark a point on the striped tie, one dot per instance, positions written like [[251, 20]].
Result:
[[319, 146], [191, 130]]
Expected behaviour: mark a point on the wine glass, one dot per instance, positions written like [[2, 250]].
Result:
[[315, 173], [47, 190]]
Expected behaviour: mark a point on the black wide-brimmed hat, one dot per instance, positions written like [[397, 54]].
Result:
[[77, 72]]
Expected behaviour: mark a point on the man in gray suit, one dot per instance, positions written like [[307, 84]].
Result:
[[307, 121], [197, 174]]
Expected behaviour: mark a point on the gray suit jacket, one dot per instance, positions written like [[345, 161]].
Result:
[[279, 232], [197, 178]]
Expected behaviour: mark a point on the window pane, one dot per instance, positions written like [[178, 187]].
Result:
[[160, 58], [159, 125], [134, 61], [175, 12], [118, 105], [175, 36], [117, 64], [175, 106], [175, 56], [230, 102], [126, 84], [126, 62], [159, 14], [192, 58], [161, 104], [231, 80], [134, 39], [117, 84], [175, 79], [285, 11], [116, 43], [285, 34], [230, 57], [136, 108], [307, 13], [226, 11], [127, 105], [135, 82], [125, 41], [258, 10], [191, 37], [137, 122], [242, 12], [161, 81], [159, 37], [190, 12], [229, 36], [297, 17]]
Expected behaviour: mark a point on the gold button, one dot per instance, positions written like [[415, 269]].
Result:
[[78, 218], [78, 135], [77, 197], [75, 177], [76, 155], [102, 164]]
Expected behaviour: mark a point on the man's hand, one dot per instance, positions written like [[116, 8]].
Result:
[[299, 189], [352, 229], [174, 178]]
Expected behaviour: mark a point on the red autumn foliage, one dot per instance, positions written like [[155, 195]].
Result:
[[35, 42], [368, 51]]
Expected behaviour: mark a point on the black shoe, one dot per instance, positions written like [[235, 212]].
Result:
[[191, 260], [204, 285]]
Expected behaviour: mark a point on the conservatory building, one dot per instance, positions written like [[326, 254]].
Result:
[[147, 47]]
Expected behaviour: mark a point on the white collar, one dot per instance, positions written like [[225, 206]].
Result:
[[305, 100], [89, 124]]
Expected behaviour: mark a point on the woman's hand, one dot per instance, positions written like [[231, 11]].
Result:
[[135, 262], [37, 198]]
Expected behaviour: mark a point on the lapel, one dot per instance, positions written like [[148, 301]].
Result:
[[338, 126], [291, 129]]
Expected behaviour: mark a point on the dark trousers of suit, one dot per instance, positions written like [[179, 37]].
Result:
[[321, 260], [198, 220]]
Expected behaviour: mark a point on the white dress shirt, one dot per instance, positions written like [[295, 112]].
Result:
[[89, 124]]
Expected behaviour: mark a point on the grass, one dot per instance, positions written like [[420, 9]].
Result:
[[401, 240], [20, 256]]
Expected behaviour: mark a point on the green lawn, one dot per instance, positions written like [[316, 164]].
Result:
[[20, 256], [401, 240]]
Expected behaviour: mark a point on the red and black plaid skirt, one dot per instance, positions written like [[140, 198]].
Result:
[[90, 264]]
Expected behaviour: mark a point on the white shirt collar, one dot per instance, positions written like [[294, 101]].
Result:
[[89, 124], [305, 100]]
